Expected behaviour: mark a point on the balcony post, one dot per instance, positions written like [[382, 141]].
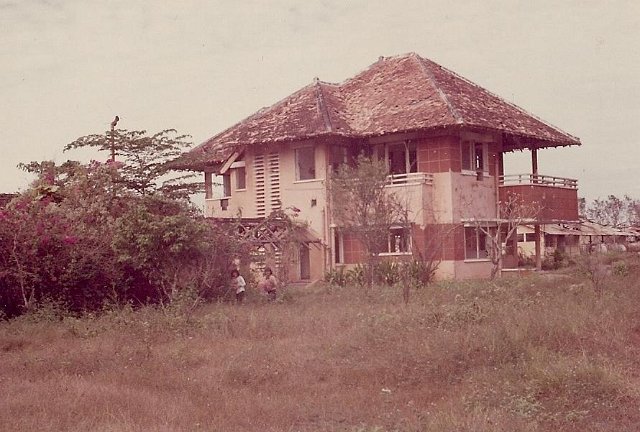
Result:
[[538, 246], [534, 165]]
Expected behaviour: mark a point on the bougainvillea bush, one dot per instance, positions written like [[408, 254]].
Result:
[[84, 235]]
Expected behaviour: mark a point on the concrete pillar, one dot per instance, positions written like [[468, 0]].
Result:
[[208, 185]]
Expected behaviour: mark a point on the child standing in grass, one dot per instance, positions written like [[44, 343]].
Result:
[[238, 283], [269, 284]]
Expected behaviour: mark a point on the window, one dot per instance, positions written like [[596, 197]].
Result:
[[339, 156], [305, 163], [474, 156], [402, 158], [240, 174], [399, 241], [226, 185], [475, 244], [338, 248], [241, 178]]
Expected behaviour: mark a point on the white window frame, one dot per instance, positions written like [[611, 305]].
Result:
[[338, 245], [480, 253], [469, 147], [226, 185], [392, 241], [240, 172], [407, 156]]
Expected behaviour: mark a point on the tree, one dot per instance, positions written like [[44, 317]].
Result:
[[512, 212], [613, 211], [83, 234], [363, 207], [144, 161]]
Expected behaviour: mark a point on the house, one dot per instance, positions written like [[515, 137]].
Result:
[[562, 237], [594, 236], [575, 238], [442, 137]]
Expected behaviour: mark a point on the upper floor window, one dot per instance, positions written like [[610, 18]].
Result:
[[474, 156], [402, 158], [241, 178], [305, 163], [339, 156], [240, 174], [226, 185]]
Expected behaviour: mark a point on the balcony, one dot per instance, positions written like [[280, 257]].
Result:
[[407, 179], [219, 207], [414, 189], [558, 196]]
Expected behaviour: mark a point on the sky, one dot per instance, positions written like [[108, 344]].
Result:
[[68, 67]]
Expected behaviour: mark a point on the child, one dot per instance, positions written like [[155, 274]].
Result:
[[238, 283], [269, 284]]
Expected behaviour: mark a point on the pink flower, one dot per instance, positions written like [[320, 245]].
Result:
[[114, 164], [69, 239]]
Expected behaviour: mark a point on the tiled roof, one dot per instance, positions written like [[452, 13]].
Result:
[[395, 94]]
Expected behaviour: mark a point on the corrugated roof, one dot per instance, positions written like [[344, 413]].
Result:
[[584, 228], [395, 94]]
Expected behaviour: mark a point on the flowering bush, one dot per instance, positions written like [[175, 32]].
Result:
[[82, 236]]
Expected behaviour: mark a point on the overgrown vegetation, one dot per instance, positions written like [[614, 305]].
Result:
[[119, 232], [388, 273], [531, 353], [363, 207]]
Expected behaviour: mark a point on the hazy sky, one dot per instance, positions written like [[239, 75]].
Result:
[[67, 67]]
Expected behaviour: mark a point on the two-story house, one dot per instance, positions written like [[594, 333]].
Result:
[[443, 139]]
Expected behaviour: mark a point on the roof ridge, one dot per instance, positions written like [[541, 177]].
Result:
[[511, 104], [323, 106], [442, 94]]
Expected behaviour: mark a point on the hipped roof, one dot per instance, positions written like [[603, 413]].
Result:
[[395, 94]]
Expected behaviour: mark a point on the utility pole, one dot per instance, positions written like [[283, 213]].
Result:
[[113, 138]]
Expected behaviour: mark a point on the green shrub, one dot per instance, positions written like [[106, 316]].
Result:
[[620, 268], [388, 273], [337, 277], [357, 275]]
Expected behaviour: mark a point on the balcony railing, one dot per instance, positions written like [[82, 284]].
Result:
[[409, 179], [538, 180]]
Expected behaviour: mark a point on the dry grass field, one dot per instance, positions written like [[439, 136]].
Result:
[[529, 353]]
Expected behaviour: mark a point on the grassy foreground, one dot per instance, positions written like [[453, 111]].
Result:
[[531, 353]]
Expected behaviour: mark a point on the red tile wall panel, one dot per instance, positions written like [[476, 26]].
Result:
[[439, 154], [556, 203]]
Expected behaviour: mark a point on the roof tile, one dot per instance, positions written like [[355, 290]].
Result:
[[394, 94]]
